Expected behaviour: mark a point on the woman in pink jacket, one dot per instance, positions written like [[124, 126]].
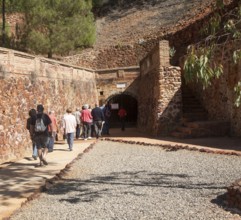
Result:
[[86, 119]]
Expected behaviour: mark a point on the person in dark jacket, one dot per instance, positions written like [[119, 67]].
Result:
[[32, 114], [98, 120], [41, 138]]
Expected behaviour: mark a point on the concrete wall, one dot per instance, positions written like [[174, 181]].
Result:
[[160, 104], [26, 81]]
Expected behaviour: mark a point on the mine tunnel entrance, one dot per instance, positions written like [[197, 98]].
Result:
[[129, 103]]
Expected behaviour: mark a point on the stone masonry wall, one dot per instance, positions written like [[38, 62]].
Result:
[[234, 194], [218, 99], [108, 81], [160, 99], [112, 56], [26, 81]]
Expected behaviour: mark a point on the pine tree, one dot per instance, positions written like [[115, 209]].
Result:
[[58, 26]]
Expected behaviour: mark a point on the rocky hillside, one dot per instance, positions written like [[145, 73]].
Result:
[[133, 21], [129, 24]]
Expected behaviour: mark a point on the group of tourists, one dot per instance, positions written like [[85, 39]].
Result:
[[85, 123]]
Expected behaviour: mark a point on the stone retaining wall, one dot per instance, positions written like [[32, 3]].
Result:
[[26, 81], [160, 104], [234, 194], [219, 98]]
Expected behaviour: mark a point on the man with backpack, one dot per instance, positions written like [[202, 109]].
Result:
[[39, 130]]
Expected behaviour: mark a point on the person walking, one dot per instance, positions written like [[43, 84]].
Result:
[[54, 130], [69, 125], [92, 127], [86, 119], [32, 114], [98, 120], [39, 130], [107, 114], [122, 115], [77, 115]]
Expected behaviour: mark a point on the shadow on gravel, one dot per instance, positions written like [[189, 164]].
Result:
[[18, 173], [127, 183], [221, 201]]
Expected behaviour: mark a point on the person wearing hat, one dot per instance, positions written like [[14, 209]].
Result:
[[39, 130]]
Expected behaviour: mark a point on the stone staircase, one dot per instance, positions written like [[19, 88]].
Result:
[[195, 123]]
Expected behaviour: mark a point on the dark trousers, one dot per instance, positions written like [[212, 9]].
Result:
[[122, 120], [98, 128], [87, 129], [77, 135], [106, 127]]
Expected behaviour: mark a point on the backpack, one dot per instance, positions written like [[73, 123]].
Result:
[[39, 125]]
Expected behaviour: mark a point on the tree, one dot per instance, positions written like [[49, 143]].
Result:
[[58, 26], [99, 3], [200, 64]]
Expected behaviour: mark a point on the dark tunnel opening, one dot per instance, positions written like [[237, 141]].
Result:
[[130, 105]]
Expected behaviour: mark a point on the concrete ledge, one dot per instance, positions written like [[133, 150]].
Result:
[[21, 181]]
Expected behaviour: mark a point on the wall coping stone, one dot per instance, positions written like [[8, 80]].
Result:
[[42, 59], [117, 68]]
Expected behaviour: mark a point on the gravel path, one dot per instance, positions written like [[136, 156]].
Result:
[[122, 181]]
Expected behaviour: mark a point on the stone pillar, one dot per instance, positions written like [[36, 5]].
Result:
[[159, 92], [164, 53], [170, 100]]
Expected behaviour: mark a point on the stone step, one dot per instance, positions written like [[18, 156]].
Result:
[[184, 130], [195, 116], [207, 124], [178, 134], [199, 129], [191, 105], [194, 110]]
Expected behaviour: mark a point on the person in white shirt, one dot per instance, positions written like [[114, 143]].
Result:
[[69, 125]]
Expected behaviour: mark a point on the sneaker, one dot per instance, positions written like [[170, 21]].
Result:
[[85, 139], [44, 161], [89, 137], [35, 157], [39, 165]]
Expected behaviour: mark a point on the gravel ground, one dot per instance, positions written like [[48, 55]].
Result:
[[123, 181]]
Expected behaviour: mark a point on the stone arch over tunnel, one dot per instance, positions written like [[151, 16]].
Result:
[[129, 103]]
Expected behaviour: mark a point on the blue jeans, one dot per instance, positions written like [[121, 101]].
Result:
[[70, 140], [35, 152], [51, 141]]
